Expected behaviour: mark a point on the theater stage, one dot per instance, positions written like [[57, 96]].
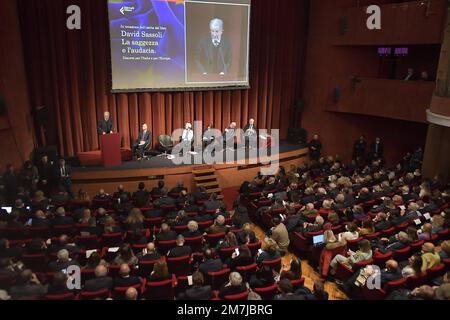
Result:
[[229, 174]]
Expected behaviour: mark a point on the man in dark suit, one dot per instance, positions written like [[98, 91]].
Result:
[[165, 234], [100, 282], [143, 142], [212, 203], [27, 286], [64, 173], [125, 280], [105, 125], [180, 250], [315, 147], [359, 149], [198, 291], [150, 254], [61, 219], [140, 197], [210, 264], [214, 54], [376, 150]]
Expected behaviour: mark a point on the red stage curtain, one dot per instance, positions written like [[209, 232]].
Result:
[[69, 73]]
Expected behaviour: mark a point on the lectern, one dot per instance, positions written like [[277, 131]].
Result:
[[110, 149]]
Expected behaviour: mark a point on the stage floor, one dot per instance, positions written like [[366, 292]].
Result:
[[161, 162]]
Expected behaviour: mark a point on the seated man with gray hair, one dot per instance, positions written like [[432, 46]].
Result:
[[63, 261], [218, 226], [234, 286]]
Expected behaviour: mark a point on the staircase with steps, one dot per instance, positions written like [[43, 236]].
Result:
[[205, 176]]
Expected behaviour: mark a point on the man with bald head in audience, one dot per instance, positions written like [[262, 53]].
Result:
[[100, 282], [131, 294], [125, 279], [150, 253]]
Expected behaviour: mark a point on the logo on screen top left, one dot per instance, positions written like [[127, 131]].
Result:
[[126, 9]]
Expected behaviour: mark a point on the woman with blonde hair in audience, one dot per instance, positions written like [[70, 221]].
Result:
[[437, 224], [445, 250], [135, 219], [270, 252], [85, 216]]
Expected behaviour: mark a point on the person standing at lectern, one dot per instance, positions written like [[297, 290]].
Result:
[[214, 53], [228, 136], [142, 143], [105, 125], [315, 147]]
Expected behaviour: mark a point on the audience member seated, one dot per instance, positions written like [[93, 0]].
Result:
[[366, 228], [58, 285], [287, 291], [124, 279], [247, 235], [180, 250], [27, 287], [218, 226], [101, 281], [160, 272], [192, 230], [149, 253], [210, 262], [165, 234], [381, 222], [125, 255], [445, 250], [244, 258], [270, 252], [262, 278], [233, 286], [229, 241], [351, 233], [62, 262], [430, 258], [364, 253], [94, 261], [135, 220], [198, 291], [140, 197]]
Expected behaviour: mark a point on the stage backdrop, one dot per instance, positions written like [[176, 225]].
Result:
[[69, 73]]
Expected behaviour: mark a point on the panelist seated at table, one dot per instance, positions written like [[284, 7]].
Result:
[[229, 135], [142, 143], [250, 132], [208, 136], [105, 125]]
